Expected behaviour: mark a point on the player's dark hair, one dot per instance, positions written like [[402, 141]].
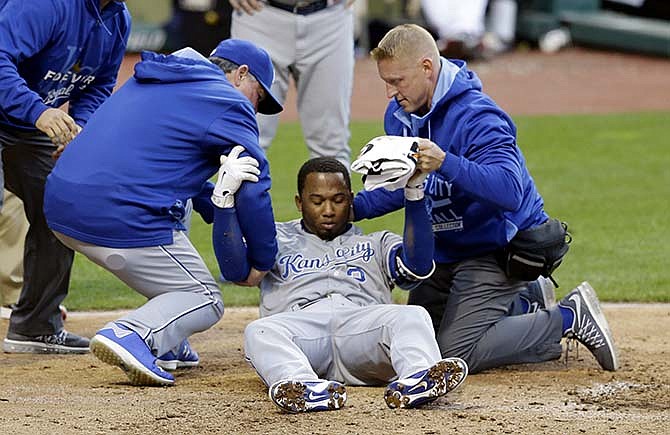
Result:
[[322, 164]]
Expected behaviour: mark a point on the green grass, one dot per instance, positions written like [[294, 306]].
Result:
[[607, 175]]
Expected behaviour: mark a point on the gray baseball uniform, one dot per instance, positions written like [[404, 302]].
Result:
[[183, 300], [317, 51], [326, 312]]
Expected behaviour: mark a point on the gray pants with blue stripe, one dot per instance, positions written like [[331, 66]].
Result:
[[184, 297], [472, 304]]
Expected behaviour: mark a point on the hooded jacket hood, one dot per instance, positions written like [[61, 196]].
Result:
[[168, 68], [454, 80]]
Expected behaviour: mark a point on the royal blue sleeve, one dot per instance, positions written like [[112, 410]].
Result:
[[254, 211], [25, 29], [229, 247], [378, 202], [418, 240], [237, 126], [202, 202], [84, 104], [491, 168], [412, 261]]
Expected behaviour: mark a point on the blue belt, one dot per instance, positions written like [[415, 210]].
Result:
[[301, 7]]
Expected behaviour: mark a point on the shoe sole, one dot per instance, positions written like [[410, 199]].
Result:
[[457, 369], [112, 353], [289, 396], [548, 294], [591, 300], [18, 346], [173, 365]]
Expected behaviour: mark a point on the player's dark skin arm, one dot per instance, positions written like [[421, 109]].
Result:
[[254, 278]]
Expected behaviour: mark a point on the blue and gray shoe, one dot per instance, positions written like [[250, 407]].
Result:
[[426, 385], [119, 346], [306, 396], [181, 357], [589, 326]]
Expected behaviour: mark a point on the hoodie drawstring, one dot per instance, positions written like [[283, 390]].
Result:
[[96, 8]]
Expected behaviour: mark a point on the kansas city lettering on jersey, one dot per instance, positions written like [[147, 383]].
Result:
[[298, 264]]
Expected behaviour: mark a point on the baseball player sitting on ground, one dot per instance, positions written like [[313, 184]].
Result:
[[326, 312], [118, 196]]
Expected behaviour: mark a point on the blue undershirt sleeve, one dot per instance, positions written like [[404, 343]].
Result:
[[412, 261], [418, 245], [378, 202], [229, 246]]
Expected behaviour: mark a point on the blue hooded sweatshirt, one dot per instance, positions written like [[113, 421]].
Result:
[[155, 142], [58, 51], [482, 194]]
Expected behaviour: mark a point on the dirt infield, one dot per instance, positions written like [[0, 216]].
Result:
[[79, 394]]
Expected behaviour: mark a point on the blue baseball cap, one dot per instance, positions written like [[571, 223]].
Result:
[[244, 52]]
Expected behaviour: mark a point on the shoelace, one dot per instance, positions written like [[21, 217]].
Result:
[[571, 344], [589, 334]]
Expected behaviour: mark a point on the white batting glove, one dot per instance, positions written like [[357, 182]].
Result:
[[414, 186], [233, 171]]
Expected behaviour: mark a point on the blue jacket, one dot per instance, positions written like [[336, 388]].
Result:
[[482, 194], [55, 51], [155, 142]]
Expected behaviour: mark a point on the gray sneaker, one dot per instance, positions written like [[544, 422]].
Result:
[[63, 342], [589, 326]]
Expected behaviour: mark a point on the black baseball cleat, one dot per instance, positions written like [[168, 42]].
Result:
[[62, 343], [589, 326]]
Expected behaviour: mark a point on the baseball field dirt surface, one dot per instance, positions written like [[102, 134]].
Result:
[[44, 394], [81, 395]]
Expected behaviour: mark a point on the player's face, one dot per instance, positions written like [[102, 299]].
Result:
[[324, 203], [253, 91], [409, 82]]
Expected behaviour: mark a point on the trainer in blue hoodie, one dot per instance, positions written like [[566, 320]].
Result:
[[52, 52], [481, 196], [118, 195]]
